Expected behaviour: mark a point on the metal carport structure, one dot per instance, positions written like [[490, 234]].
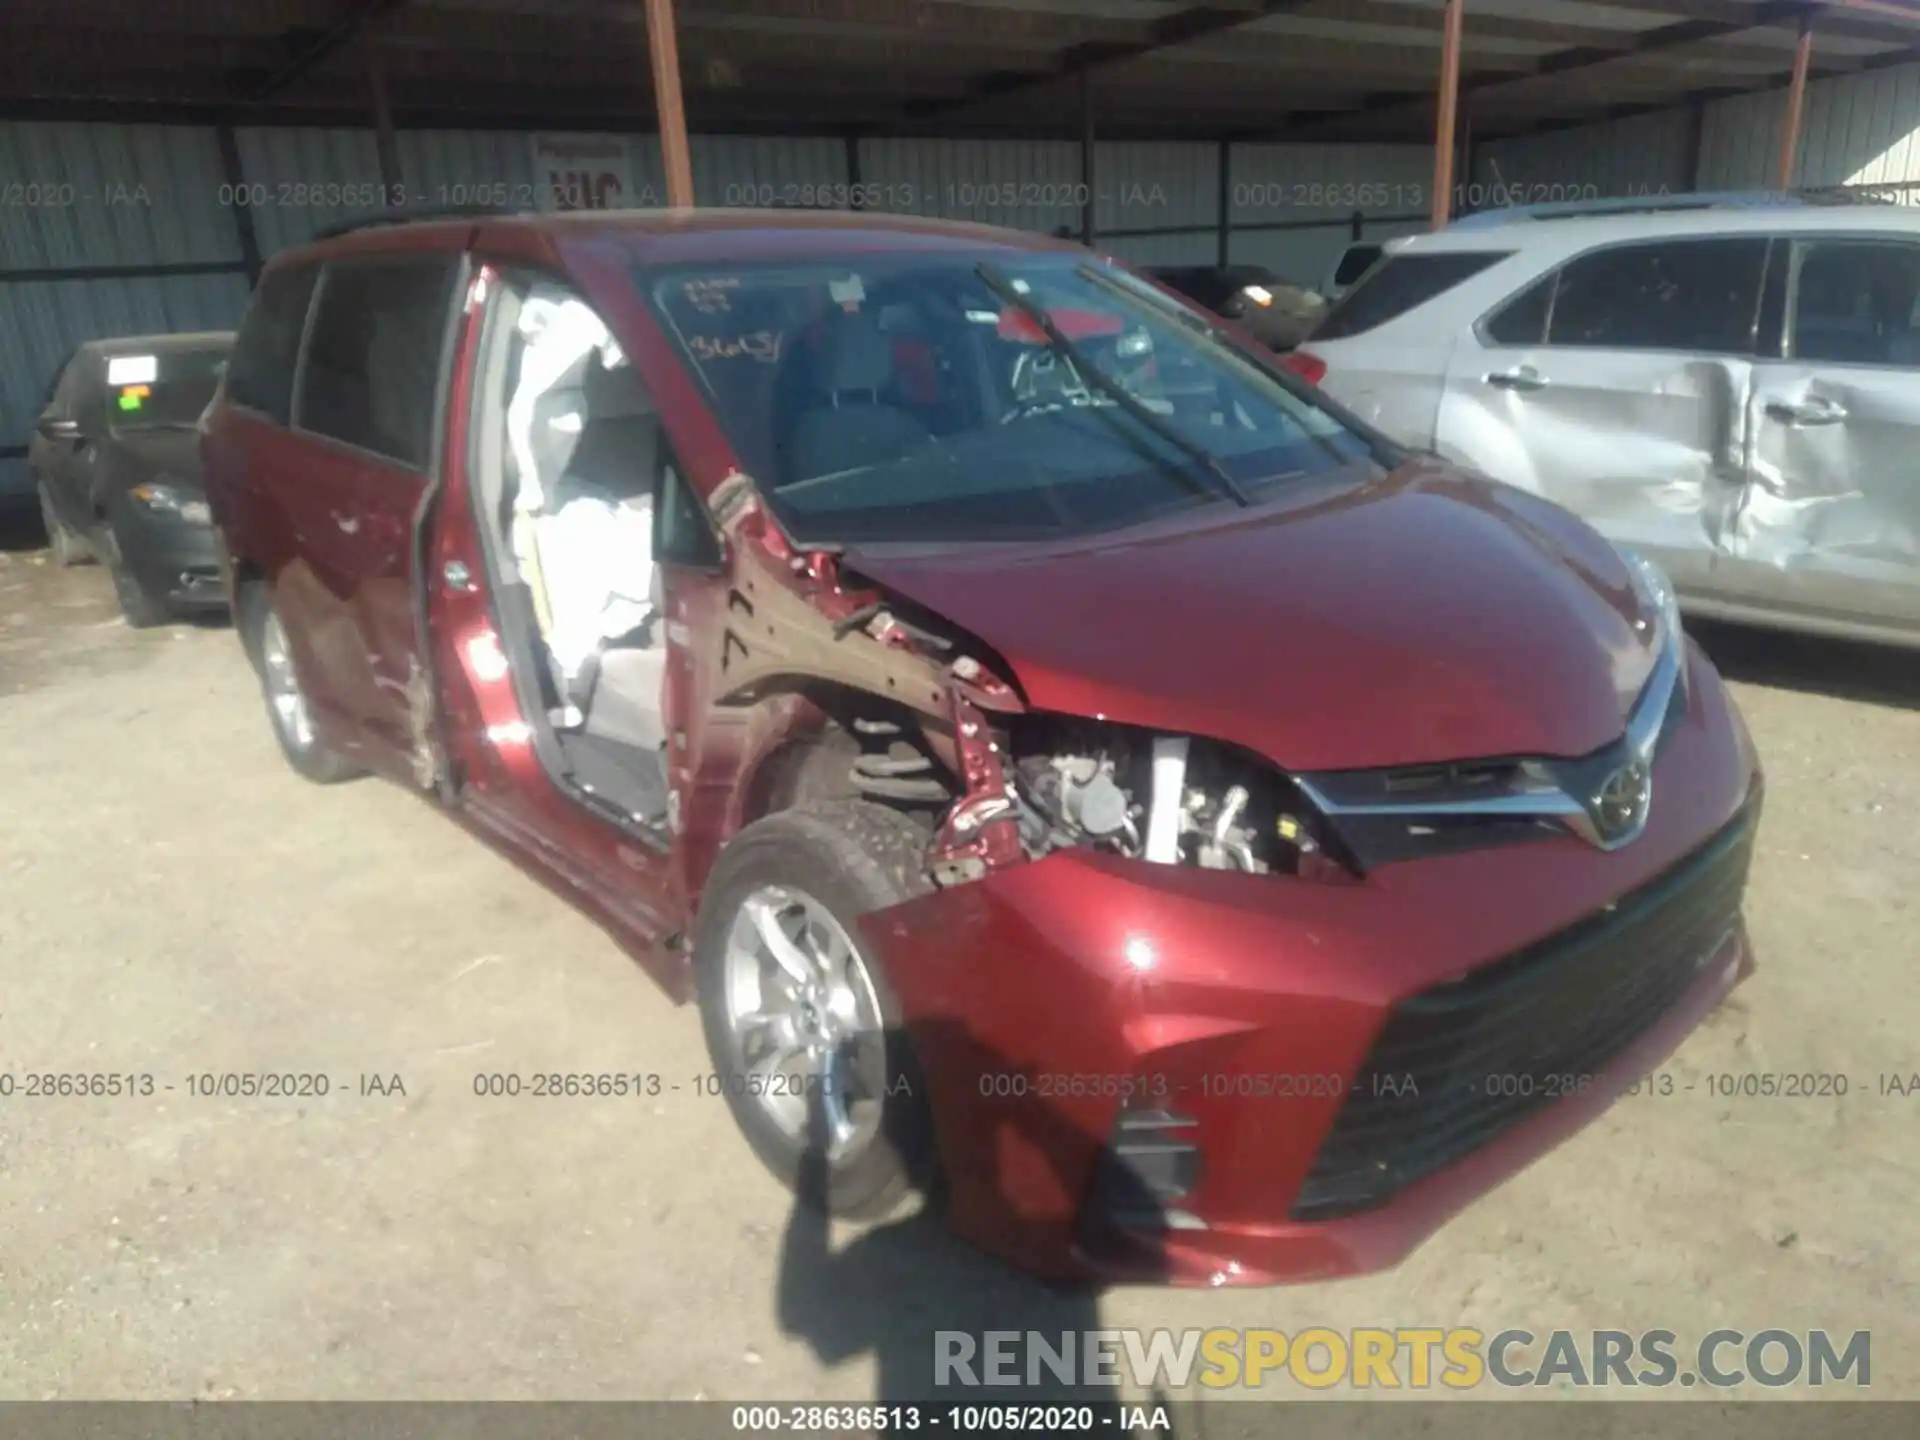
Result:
[[152, 154]]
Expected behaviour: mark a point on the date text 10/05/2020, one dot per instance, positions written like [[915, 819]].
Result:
[[936, 1417]]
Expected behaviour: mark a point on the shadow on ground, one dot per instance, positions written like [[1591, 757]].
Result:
[[889, 1291], [1845, 669], [20, 529]]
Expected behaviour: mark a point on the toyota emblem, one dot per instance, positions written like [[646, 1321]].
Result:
[[1619, 808]]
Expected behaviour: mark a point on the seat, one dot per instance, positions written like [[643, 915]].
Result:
[[846, 425], [628, 704], [619, 438]]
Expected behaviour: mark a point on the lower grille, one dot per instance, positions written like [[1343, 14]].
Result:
[[1456, 1065]]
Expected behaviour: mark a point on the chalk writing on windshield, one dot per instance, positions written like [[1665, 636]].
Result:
[[761, 345]]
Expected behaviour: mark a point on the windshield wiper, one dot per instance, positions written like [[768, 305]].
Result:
[[997, 281]]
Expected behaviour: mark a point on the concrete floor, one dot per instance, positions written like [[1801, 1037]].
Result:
[[174, 900]]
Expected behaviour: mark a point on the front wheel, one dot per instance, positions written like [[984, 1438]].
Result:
[[803, 1030], [266, 641]]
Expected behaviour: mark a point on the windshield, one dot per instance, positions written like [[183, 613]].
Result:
[[905, 399], [165, 388]]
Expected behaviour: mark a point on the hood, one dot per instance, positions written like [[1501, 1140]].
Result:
[[1426, 616], [155, 452]]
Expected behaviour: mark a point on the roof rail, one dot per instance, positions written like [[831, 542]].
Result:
[[1685, 200], [408, 217]]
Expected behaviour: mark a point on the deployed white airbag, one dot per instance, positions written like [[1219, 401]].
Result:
[[586, 553]]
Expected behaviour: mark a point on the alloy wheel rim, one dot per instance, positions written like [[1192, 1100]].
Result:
[[284, 695], [805, 1021]]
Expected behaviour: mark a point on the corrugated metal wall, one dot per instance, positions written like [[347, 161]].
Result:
[[140, 228], [1292, 206], [1859, 130], [1030, 186], [1647, 154], [87, 205], [131, 229]]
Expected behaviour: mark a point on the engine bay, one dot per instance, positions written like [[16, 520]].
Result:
[[1170, 800]]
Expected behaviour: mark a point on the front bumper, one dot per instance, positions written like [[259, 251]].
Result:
[[1050, 1000], [173, 559]]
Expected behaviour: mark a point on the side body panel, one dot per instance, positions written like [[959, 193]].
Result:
[[1828, 532], [352, 514], [1397, 380], [1645, 445], [1830, 521], [65, 466]]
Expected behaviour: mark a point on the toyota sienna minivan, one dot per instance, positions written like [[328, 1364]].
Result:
[[1074, 767]]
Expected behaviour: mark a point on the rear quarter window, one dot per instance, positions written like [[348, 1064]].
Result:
[[1355, 263], [260, 371], [1399, 284]]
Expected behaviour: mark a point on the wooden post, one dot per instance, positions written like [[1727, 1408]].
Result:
[[1086, 157], [1796, 101], [385, 145], [1449, 110], [1463, 180], [664, 47]]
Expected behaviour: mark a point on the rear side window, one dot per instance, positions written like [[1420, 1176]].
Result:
[[1858, 303], [1355, 263], [1398, 284], [1667, 295], [260, 373], [372, 372], [1523, 319]]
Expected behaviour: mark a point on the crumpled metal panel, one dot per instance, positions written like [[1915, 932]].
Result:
[[1773, 486], [1830, 518], [1649, 448]]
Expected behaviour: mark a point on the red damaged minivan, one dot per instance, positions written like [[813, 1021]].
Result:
[[1074, 766]]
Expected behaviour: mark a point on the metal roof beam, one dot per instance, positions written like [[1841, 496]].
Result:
[[315, 52], [1882, 21], [1638, 44], [1178, 28]]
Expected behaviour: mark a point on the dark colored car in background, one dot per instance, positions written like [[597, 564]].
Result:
[[115, 459], [1213, 841], [1277, 313]]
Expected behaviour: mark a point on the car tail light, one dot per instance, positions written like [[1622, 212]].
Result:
[[1307, 365]]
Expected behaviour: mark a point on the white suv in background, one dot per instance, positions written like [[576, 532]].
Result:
[[1734, 391]]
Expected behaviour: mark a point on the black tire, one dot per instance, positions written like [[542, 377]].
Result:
[[310, 758], [851, 857], [67, 546], [141, 608]]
